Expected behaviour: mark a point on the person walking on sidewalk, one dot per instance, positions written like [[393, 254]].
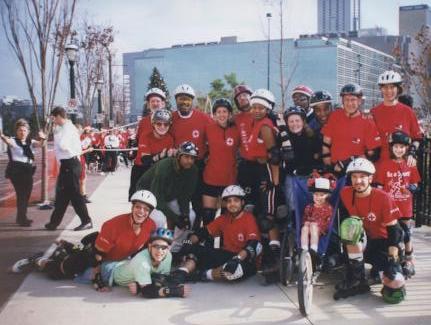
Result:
[[20, 168], [67, 146]]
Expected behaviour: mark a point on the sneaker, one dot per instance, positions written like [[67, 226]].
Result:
[[50, 226], [86, 199], [25, 264], [25, 223], [84, 226]]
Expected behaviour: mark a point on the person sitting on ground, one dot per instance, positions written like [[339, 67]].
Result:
[[148, 272], [241, 247], [119, 238], [317, 215]]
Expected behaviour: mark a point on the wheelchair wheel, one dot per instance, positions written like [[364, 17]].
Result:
[[287, 258], [305, 283]]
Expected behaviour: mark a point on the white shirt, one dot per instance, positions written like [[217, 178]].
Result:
[[17, 152], [66, 141], [112, 141]]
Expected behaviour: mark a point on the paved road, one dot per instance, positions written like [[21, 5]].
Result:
[[41, 301]]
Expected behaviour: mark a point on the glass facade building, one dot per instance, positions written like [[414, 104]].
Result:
[[318, 62]]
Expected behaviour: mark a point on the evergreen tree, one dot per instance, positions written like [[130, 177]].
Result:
[[157, 81]]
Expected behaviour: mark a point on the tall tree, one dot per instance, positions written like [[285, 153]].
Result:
[[91, 60], [37, 32], [157, 81]]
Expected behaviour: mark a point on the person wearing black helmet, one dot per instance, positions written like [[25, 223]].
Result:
[[220, 168], [321, 103], [400, 180], [173, 181], [349, 133]]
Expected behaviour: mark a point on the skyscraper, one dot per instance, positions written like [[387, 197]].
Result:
[[338, 16], [412, 18]]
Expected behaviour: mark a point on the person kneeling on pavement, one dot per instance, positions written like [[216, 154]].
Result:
[[241, 243], [371, 234]]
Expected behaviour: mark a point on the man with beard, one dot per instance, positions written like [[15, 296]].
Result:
[[189, 124]]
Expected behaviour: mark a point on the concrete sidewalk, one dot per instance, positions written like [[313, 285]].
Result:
[[41, 301]]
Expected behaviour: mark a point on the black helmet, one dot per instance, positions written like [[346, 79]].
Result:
[[222, 102], [351, 89], [399, 137], [320, 97], [295, 110], [187, 148]]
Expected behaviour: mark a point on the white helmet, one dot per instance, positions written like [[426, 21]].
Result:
[[156, 92], [361, 165], [146, 197], [263, 97], [184, 89], [390, 77], [233, 190]]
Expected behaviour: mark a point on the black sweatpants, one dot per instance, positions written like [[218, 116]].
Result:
[[21, 177], [67, 190]]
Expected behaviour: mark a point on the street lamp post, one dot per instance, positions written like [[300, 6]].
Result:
[[268, 15], [71, 53], [99, 85]]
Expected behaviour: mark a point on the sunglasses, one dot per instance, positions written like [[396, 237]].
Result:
[[160, 247], [159, 124]]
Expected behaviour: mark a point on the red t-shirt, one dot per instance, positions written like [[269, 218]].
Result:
[[350, 136], [220, 169], [244, 123], [191, 128], [256, 144], [376, 210], [96, 140], [235, 232], [389, 119], [395, 176], [151, 145], [118, 239], [144, 126]]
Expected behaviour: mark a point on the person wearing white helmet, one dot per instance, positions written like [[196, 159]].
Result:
[[153, 146], [236, 259], [189, 124], [391, 116], [349, 133], [118, 239], [370, 211], [264, 170]]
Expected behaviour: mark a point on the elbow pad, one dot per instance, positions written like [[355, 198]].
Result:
[[395, 234]]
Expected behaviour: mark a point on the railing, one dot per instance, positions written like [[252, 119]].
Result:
[[422, 201]]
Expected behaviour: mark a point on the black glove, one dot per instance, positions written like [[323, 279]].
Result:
[[183, 222], [283, 133], [232, 265], [393, 267], [412, 151], [98, 283]]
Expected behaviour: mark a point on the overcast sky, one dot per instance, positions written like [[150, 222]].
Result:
[[143, 24]]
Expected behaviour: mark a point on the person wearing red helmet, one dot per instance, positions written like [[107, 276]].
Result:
[[391, 116], [301, 96], [220, 169], [349, 133]]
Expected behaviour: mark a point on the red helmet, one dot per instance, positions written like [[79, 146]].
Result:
[[238, 90], [302, 89]]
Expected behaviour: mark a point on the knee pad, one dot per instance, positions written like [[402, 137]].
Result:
[[266, 224], [208, 215], [406, 232], [351, 230], [395, 235]]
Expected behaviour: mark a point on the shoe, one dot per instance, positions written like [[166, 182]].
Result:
[[25, 263], [25, 223], [86, 200], [84, 226], [50, 226]]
